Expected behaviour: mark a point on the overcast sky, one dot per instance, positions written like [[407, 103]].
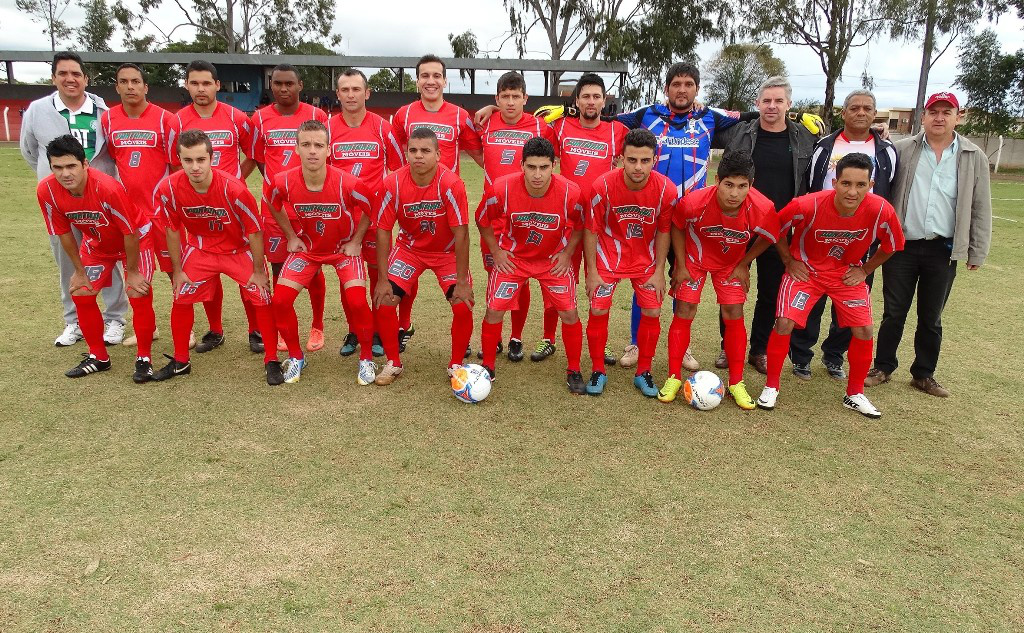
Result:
[[398, 31]]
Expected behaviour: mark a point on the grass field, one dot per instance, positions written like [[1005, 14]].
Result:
[[216, 503]]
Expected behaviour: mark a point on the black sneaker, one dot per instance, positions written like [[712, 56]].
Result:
[[210, 341], [469, 352], [255, 342], [143, 371], [480, 354], [835, 371], [490, 373], [274, 374], [404, 336], [515, 350], [544, 349], [89, 365], [802, 371], [576, 383], [350, 345], [172, 369]]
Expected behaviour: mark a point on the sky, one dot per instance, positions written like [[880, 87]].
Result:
[[894, 66]]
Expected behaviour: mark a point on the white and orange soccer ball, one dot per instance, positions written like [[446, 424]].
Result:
[[471, 383], [704, 390]]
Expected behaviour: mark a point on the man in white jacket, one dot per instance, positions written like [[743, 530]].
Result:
[[73, 110]]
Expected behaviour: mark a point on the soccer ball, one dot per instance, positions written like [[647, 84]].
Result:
[[471, 383], [703, 390]]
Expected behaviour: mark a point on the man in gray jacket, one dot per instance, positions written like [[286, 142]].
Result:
[[943, 198], [72, 110]]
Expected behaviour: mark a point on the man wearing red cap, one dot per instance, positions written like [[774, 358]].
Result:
[[943, 199]]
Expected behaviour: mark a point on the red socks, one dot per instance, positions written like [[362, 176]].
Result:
[[215, 307], [90, 321], [572, 338], [462, 331], [860, 356], [144, 322], [597, 338], [386, 320], [647, 340], [735, 346], [360, 321], [519, 314], [550, 324], [778, 347], [268, 327], [490, 336], [317, 296], [678, 341], [405, 308], [183, 317], [250, 314], [287, 321]]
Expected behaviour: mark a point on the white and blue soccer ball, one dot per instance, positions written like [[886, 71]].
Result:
[[471, 383], [704, 390]]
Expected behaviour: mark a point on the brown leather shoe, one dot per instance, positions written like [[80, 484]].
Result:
[[722, 362], [876, 377], [930, 387], [759, 362]]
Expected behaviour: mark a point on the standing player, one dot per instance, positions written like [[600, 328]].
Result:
[[274, 151], [218, 214], [541, 223], [364, 145], [710, 233], [113, 230], [328, 205], [428, 202], [628, 220], [832, 231]]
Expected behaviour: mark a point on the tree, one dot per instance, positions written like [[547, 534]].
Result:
[[464, 46], [993, 82], [386, 80], [95, 34], [50, 13], [736, 72]]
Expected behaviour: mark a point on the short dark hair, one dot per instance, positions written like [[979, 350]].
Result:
[[313, 125], [736, 163], [424, 132], [66, 145], [430, 58], [192, 138], [641, 137], [145, 79], [68, 56], [201, 65], [287, 68], [353, 72], [511, 81], [539, 147], [682, 69], [588, 79], [856, 160]]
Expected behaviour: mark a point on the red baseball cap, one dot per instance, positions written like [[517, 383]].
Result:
[[948, 97]]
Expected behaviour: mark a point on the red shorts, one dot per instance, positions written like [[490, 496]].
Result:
[[370, 247], [275, 244], [300, 268], [503, 288], [646, 297], [728, 292], [202, 267], [99, 268], [852, 303], [406, 265]]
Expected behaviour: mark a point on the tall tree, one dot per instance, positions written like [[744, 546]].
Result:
[[464, 46], [386, 80], [95, 34], [993, 81], [736, 72], [51, 14]]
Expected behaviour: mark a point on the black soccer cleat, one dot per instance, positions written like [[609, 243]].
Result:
[[403, 338], [544, 349], [275, 376], [172, 369], [255, 342], [574, 380], [89, 365], [490, 373], [210, 341], [349, 346], [469, 352], [515, 350], [143, 371], [501, 348]]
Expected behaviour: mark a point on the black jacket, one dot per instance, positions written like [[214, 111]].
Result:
[[885, 164]]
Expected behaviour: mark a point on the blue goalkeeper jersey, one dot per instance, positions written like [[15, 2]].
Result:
[[684, 140]]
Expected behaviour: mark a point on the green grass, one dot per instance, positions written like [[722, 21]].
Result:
[[216, 503]]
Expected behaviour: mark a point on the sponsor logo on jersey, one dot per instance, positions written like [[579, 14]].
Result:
[[358, 149], [87, 218], [585, 147], [679, 141], [830, 236], [443, 132], [205, 212], [134, 138], [508, 137], [634, 213], [536, 220], [221, 138], [281, 138], [424, 209], [729, 236], [318, 210]]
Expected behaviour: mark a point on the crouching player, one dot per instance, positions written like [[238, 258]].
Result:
[[113, 230], [218, 214], [832, 231], [628, 219], [710, 232], [332, 209], [542, 224], [428, 202]]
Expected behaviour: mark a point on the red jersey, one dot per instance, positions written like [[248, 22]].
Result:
[[626, 222], [103, 213], [453, 126], [143, 149], [584, 154], [503, 143], [827, 241], [326, 218], [274, 139], [425, 215], [365, 150], [716, 241], [230, 132], [219, 221], [532, 228]]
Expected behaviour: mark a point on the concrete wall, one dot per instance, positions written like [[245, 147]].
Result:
[[1013, 150]]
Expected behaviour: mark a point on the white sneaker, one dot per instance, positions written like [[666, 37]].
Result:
[[114, 333], [630, 356], [293, 370], [388, 374], [131, 341], [71, 335], [767, 398], [689, 362], [860, 403], [367, 372]]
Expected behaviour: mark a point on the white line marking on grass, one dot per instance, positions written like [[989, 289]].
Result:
[[1002, 218]]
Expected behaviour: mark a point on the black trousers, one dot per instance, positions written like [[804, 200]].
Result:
[[923, 268]]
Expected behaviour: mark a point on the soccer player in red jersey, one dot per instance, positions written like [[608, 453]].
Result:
[[364, 145], [274, 151], [710, 232], [428, 202], [540, 220], [113, 230], [832, 231], [231, 133], [628, 219], [219, 217], [329, 206], [502, 137]]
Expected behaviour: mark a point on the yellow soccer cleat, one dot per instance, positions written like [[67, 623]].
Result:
[[670, 389], [740, 395], [550, 113], [814, 124]]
